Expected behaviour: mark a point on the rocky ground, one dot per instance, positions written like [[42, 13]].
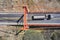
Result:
[[32, 5], [8, 33]]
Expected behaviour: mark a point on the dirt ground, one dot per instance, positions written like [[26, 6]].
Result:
[[8, 33], [32, 5]]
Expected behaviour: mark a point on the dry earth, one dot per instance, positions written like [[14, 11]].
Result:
[[8, 33], [33, 5]]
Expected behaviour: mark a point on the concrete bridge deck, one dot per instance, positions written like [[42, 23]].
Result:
[[12, 18]]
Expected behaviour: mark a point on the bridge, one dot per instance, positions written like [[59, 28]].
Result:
[[12, 18], [37, 20]]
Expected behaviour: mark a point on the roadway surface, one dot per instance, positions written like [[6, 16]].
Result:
[[12, 18]]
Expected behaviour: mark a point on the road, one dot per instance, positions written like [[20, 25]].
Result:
[[12, 18]]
